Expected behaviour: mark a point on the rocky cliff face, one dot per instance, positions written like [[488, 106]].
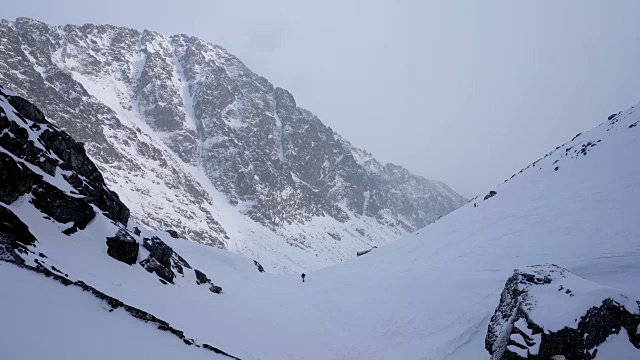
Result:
[[196, 142]]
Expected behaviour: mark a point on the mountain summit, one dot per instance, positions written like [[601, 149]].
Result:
[[195, 142]]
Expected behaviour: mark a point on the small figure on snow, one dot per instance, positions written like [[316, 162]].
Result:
[[303, 276]]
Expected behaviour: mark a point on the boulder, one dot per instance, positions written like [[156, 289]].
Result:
[[158, 250], [123, 247], [179, 262], [159, 259], [153, 266], [490, 194], [547, 312], [60, 206], [201, 278], [173, 234], [164, 261], [259, 266], [215, 289]]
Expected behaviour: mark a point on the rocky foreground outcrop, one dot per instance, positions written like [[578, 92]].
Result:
[[546, 312], [43, 165], [47, 179], [40, 159]]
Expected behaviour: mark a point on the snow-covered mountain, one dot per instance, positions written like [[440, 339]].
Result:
[[448, 291], [194, 141]]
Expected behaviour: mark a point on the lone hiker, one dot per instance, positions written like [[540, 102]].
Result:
[[303, 276]]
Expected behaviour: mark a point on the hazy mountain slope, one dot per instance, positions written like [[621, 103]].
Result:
[[194, 141], [430, 295]]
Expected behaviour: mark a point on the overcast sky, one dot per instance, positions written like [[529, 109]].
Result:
[[467, 92]]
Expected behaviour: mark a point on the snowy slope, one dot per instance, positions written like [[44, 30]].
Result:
[[45, 318], [431, 294], [428, 296], [192, 140]]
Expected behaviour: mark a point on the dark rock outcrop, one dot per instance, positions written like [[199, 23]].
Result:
[[173, 234], [259, 266], [14, 236], [201, 279], [14, 177], [44, 166], [35, 144], [490, 194], [17, 179], [518, 330], [27, 109], [158, 250], [360, 253], [165, 262], [215, 289], [159, 259], [153, 266], [62, 207], [123, 247]]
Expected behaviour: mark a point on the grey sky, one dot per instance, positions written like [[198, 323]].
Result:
[[467, 92]]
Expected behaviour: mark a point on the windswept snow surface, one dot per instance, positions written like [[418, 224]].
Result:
[[427, 296], [617, 347], [430, 295], [47, 320]]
